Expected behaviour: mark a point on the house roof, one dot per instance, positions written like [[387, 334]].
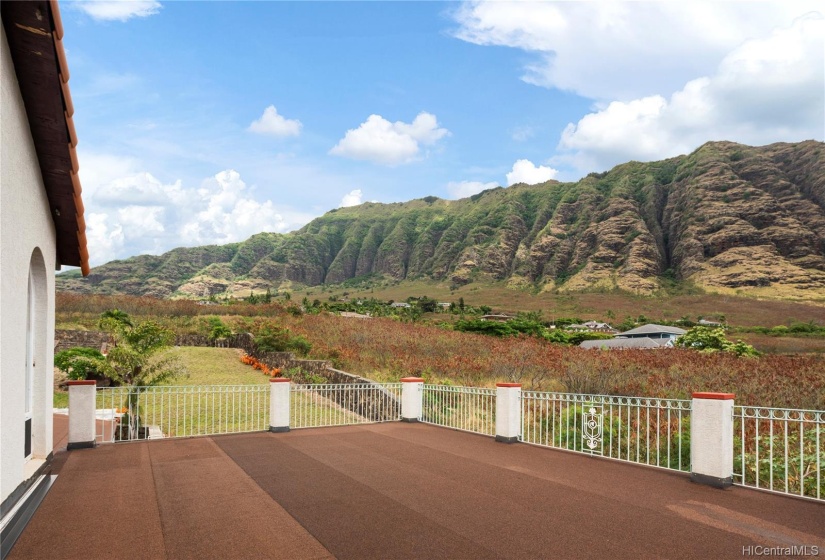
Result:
[[642, 342], [35, 36], [353, 315], [653, 329]]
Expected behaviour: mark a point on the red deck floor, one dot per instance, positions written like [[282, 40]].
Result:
[[392, 491]]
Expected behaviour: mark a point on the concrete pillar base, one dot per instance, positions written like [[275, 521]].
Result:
[[714, 481], [278, 429], [503, 439], [80, 445], [409, 420]]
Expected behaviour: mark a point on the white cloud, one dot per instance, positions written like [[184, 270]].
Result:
[[352, 198], [380, 141], [228, 214], [463, 189], [131, 212], [622, 50], [767, 90], [273, 124], [118, 10], [522, 133], [524, 171], [104, 240]]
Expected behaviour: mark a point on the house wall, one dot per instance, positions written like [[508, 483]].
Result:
[[27, 239]]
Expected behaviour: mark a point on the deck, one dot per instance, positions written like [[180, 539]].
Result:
[[393, 490]]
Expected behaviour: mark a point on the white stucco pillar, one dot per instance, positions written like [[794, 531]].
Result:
[[508, 412], [412, 399], [279, 404], [81, 414], [711, 439]]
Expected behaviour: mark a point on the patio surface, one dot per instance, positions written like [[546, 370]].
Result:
[[391, 491]]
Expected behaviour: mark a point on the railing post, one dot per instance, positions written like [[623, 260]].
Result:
[[279, 404], [412, 399], [508, 412], [711, 439], [82, 433]]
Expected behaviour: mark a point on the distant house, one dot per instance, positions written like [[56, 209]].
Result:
[[401, 304], [41, 228], [500, 317], [592, 326], [624, 343], [645, 337], [444, 304], [707, 323], [653, 332], [353, 315]]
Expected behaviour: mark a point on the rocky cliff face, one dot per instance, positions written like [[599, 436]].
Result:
[[727, 217]]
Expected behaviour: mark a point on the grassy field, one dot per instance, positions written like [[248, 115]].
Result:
[[206, 366], [216, 366], [202, 408], [738, 310]]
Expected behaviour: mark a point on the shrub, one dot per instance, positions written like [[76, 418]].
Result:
[[706, 339], [79, 363]]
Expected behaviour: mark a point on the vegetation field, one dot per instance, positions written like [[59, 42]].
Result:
[[387, 349], [738, 310]]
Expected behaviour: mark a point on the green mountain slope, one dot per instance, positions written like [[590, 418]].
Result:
[[726, 217]]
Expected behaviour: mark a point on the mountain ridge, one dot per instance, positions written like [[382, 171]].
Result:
[[727, 217]]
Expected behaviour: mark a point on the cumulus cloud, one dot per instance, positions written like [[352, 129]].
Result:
[[380, 141], [133, 212], [525, 171], [273, 124], [352, 198], [463, 189], [622, 50], [766, 90], [118, 10]]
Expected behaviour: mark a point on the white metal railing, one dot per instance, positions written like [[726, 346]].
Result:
[[653, 432], [470, 409], [780, 450], [341, 404], [136, 413]]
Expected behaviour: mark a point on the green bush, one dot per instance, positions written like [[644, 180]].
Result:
[[79, 363], [281, 339]]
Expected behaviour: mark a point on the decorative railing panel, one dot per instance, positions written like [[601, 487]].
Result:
[[653, 432], [470, 409], [779, 449]]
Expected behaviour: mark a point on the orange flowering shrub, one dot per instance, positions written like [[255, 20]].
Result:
[[265, 369]]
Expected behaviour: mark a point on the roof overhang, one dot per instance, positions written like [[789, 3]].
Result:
[[35, 32]]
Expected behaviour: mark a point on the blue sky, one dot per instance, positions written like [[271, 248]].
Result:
[[206, 122]]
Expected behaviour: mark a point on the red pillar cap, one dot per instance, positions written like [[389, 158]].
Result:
[[279, 380], [714, 396], [412, 380], [81, 382], [508, 384]]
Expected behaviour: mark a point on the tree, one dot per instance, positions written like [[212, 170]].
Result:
[[427, 305], [112, 316], [707, 339], [79, 363], [218, 330], [136, 359]]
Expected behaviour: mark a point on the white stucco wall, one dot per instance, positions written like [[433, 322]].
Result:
[[26, 228]]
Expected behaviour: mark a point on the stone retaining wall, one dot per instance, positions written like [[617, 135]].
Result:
[[66, 339]]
